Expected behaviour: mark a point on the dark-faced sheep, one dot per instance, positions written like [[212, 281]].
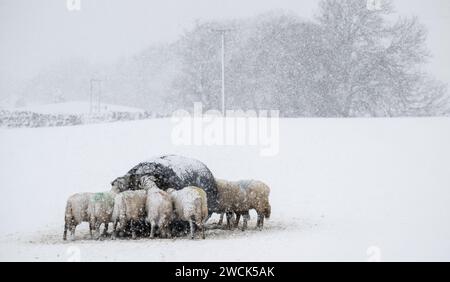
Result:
[[240, 197], [190, 204]]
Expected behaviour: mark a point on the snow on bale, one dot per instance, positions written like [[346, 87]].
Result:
[[172, 171]]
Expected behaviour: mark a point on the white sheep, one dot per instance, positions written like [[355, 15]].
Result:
[[129, 207], [76, 212], [100, 210], [228, 197], [159, 207], [242, 196], [190, 204], [119, 185]]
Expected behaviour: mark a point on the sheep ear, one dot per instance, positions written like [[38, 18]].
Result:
[[139, 184]]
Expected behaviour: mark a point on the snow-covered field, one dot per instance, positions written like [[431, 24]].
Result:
[[363, 189]]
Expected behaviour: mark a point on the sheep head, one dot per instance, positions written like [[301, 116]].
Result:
[[147, 182], [119, 184]]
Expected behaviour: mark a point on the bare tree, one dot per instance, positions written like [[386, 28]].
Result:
[[374, 67], [350, 61]]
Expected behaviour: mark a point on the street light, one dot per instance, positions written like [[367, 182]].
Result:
[[222, 33]]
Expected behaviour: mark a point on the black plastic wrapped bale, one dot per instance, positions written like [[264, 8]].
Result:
[[176, 172]]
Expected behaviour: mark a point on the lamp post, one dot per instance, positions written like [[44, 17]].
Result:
[[222, 33]]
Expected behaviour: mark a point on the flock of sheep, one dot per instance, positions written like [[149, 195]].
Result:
[[169, 194]]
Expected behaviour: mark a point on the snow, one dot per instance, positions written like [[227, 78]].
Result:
[[76, 107], [180, 165], [340, 190]]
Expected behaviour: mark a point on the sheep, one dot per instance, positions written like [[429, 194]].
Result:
[[119, 185], [228, 198], [100, 209], [76, 213], [159, 207], [129, 207], [242, 196], [190, 204], [258, 199]]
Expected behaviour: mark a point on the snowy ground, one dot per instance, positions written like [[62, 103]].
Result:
[[341, 190]]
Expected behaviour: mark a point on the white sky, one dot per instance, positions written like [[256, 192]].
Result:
[[39, 33]]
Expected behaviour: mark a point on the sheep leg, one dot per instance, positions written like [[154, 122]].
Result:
[[236, 223], [133, 229], [209, 216], [91, 226], [72, 232], [221, 219], [202, 227], [165, 230], [97, 229], [233, 217], [123, 225], [114, 233], [244, 224], [66, 226], [168, 232], [152, 229], [162, 232], [105, 230], [192, 226], [229, 215], [259, 222]]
